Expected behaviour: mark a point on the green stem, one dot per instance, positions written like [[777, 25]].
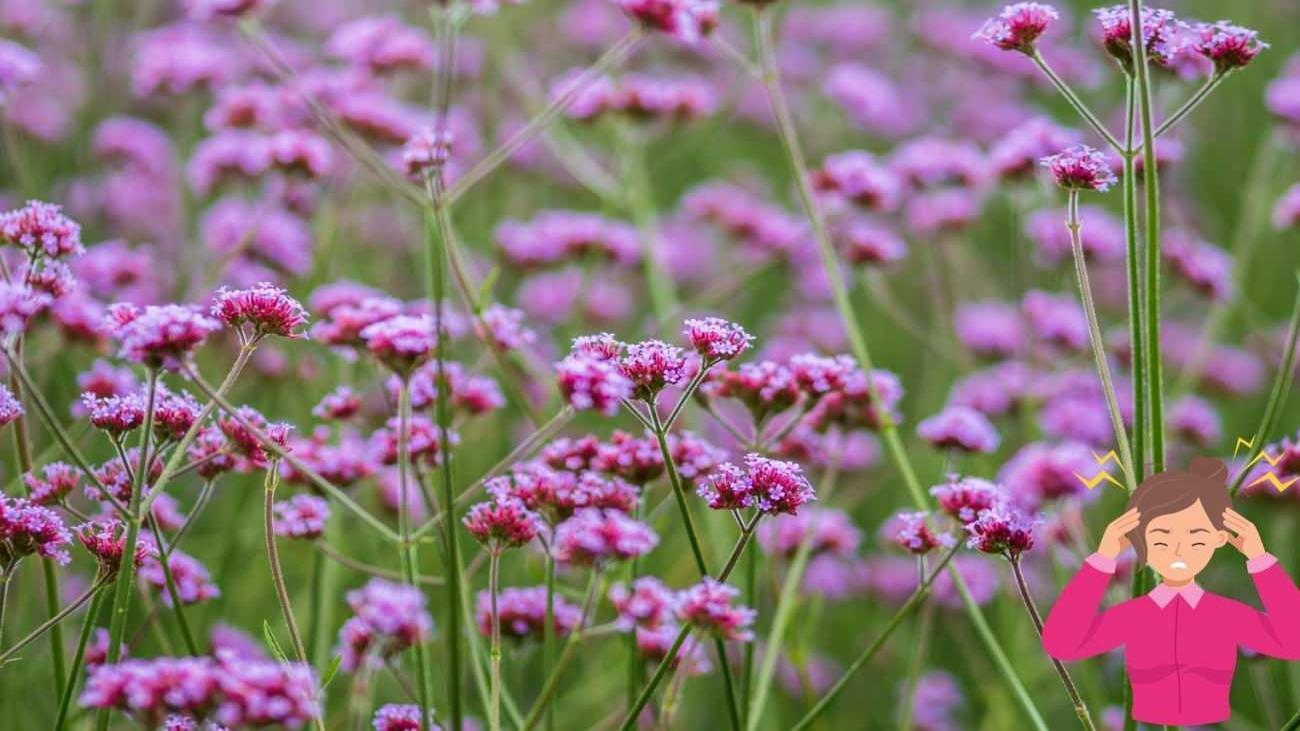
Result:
[[1151, 187], [494, 578], [663, 296], [126, 572], [1133, 258], [51, 623], [1080, 708], [74, 673], [862, 659], [1277, 398], [548, 632], [785, 607], [407, 550], [594, 589], [858, 344], [169, 583], [1209, 86], [1075, 101], [1098, 344], [273, 558], [679, 491]]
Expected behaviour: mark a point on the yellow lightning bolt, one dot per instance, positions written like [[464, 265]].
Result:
[[1103, 475], [1249, 444], [1271, 478]]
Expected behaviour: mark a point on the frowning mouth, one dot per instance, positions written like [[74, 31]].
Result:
[[1177, 565]]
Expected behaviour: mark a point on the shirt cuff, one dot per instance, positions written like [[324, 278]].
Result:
[[1106, 565], [1260, 562]]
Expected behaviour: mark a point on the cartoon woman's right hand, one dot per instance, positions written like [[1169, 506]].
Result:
[[1115, 539]]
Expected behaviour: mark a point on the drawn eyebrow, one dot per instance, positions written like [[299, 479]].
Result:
[[1159, 530], [1199, 530]]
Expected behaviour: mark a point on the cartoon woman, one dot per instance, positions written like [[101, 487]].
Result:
[[1180, 642]]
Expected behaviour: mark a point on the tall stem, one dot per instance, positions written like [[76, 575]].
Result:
[[1151, 187], [494, 710], [679, 491], [273, 558], [1080, 708], [1209, 86], [169, 585], [52, 622], [785, 607], [858, 344], [1098, 345], [870, 651], [548, 631], [407, 549], [126, 573], [1075, 101], [1133, 258], [74, 672], [640, 199]]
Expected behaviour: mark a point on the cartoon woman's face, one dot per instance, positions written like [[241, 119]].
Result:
[[1180, 545]]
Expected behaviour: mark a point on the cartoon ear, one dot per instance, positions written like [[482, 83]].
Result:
[[1223, 538]]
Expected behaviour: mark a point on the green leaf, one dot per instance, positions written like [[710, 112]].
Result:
[[331, 671], [273, 643], [485, 287]]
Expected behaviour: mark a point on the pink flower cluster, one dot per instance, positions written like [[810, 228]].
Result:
[[232, 691], [1080, 168], [301, 516], [41, 230], [28, 529], [640, 97], [402, 342], [523, 613], [685, 20], [268, 309], [388, 618], [106, 541], [768, 485], [1002, 529], [193, 583], [592, 536], [710, 606], [1017, 27], [402, 717], [56, 482], [911, 532], [503, 522], [553, 237], [160, 336]]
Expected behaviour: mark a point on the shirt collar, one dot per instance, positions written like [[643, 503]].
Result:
[[1163, 594]]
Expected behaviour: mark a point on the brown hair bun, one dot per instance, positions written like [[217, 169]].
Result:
[[1208, 468]]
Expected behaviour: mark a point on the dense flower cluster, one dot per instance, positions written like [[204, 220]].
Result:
[[28, 529], [106, 541], [301, 516], [388, 618], [504, 522], [768, 485], [523, 613], [595, 536], [160, 336], [1018, 26]]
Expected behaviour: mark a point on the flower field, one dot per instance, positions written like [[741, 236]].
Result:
[[626, 364]]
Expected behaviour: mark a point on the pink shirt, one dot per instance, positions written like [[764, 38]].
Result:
[[1180, 645]]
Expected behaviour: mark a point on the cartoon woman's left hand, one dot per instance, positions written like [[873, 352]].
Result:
[[1247, 538]]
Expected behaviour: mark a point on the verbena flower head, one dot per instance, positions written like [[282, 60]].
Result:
[[964, 498], [589, 383], [1080, 168], [1018, 26], [402, 717], [19, 68], [858, 177], [771, 486], [19, 303], [388, 618], [160, 336], [765, 388], [10, 407], [267, 308], [828, 530], [174, 414], [651, 365], [708, 606], [1001, 529], [426, 151], [504, 522], [212, 9], [911, 532], [1228, 46], [505, 327], [106, 541], [685, 20], [41, 230], [301, 516], [595, 537], [1016, 154], [402, 343], [338, 405], [635, 459], [57, 481], [523, 613], [27, 529], [1162, 34], [960, 428], [648, 602], [717, 339], [192, 580]]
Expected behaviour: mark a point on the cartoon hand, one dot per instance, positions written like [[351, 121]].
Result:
[[1247, 539], [1115, 538]]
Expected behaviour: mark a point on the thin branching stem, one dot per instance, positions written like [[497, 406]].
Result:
[[1080, 707]]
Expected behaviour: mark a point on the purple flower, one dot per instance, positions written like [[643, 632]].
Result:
[[106, 541], [382, 43], [651, 365], [765, 387], [505, 327], [116, 415], [160, 336], [41, 230], [10, 407], [1042, 472], [990, 328], [1195, 421], [708, 606], [964, 498], [554, 236], [870, 243], [211, 9], [402, 343], [300, 152], [770, 485], [193, 583], [26, 529], [1228, 46], [646, 603], [18, 305], [1102, 237], [910, 532], [588, 383], [56, 482], [960, 428], [1001, 529], [340, 404], [426, 150], [228, 154], [1162, 34], [595, 536], [504, 522], [301, 516], [19, 68], [1207, 268], [523, 613], [1080, 168], [635, 459], [1018, 26], [388, 618], [858, 177], [685, 20], [269, 309], [402, 717], [1056, 319], [1017, 153], [829, 531], [717, 339]]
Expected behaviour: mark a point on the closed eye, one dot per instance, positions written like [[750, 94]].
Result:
[[1161, 545], [1198, 545]]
